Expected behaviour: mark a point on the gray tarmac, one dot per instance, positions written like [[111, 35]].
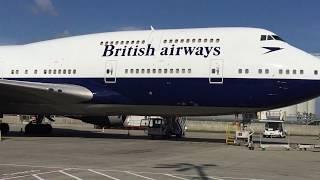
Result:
[[86, 153]]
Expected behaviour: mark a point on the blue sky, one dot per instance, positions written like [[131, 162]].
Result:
[[23, 21]]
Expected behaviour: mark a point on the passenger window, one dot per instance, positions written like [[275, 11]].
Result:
[[50, 71], [45, 71], [131, 71], [211, 40], [188, 40], [176, 41], [127, 42], [247, 71], [165, 71], [12, 71], [148, 71], [164, 41], [69, 71], [183, 71], [138, 42], [54, 71], [117, 42], [263, 37], [189, 71], [294, 71], [193, 40], [260, 71], [111, 42], [35, 71], [74, 71], [199, 40], [59, 71], [137, 71], [126, 71], [217, 40], [240, 71], [205, 40], [213, 71], [26, 71], [154, 71], [132, 42], [315, 72], [170, 41], [142, 71], [266, 71], [171, 71], [106, 43], [159, 71], [181, 40], [280, 71], [64, 71], [287, 71], [301, 72], [143, 41], [122, 42]]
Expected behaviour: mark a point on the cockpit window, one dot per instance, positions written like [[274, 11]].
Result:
[[263, 37], [270, 37], [277, 38]]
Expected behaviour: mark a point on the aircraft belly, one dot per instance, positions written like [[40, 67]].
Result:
[[110, 109]]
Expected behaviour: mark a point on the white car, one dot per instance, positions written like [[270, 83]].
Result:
[[274, 129]]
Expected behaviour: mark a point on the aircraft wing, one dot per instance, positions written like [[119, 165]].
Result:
[[42, 93]]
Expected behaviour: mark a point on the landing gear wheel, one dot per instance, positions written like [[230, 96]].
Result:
[[4, 127]]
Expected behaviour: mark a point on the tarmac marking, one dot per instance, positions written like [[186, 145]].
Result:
[[22, 172], [27, 175], [109, 170], [37, 177], [138, 175], [215, 178], [105, 175], [170, 175], [70, 175]]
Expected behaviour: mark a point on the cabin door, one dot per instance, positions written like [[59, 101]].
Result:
[[110, 72], [216, 72]]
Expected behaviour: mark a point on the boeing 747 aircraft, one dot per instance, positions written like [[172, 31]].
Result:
[[169, 73]]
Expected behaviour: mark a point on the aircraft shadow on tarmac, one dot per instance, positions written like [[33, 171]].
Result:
[[66, 132], [183, 167], [61, 132]]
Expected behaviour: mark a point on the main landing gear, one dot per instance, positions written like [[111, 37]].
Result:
[[37, 127]]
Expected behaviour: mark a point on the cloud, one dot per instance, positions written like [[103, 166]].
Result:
[[44, 7]]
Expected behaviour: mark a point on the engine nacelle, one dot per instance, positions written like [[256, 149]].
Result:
[[103, 121]]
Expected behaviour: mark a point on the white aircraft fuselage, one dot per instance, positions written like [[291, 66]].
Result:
[[205, 71]]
